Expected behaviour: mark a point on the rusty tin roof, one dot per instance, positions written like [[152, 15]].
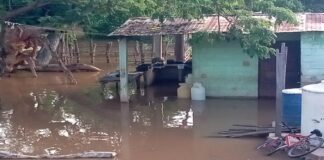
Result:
[[143, 26]]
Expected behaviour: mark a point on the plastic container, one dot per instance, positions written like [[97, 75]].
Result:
[[189, 79], [312, 108], [198, 92], [184, 90], [291, 112]]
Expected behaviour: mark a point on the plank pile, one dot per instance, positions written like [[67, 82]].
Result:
[[239, 130]]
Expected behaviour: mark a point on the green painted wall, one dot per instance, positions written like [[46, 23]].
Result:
[[288, 36], [312, 57], [224, 70]]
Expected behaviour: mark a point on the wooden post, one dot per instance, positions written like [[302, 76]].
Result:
[[137, 52], [141, 47], [92, 52], [123, 67], [179, 47], [67, 72], [77, 51], [281, 63], [63, 49], [108, 48], [157, 46], [71, 52], [59, 49], [67, 49], [116, 57]]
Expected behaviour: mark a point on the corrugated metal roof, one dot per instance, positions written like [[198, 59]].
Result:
[[142, 26]]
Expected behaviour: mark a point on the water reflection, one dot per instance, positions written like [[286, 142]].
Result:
[[54, 124], [168, 112], [56, 120]]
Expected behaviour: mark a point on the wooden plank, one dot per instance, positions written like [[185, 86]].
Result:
[[281, 61], [123, 68], [157, 46]]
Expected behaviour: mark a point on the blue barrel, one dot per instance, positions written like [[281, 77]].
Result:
[[291, 112]]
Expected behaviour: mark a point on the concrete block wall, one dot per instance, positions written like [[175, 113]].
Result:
[[225, 70], [312, 57]]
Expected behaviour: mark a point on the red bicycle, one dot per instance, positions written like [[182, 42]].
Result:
[[296, 144]]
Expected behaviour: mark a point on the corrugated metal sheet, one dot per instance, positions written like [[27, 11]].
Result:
[[307, 22]]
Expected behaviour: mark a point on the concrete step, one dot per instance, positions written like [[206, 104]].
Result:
[[316, 155]]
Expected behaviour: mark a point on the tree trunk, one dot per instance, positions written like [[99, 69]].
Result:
[[44, 56]]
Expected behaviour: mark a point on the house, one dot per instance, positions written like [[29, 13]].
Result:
[[226, 71]]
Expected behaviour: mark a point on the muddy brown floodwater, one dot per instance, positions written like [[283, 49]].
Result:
[[44, 116]]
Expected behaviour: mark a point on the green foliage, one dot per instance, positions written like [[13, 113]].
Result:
[[313, 5], [256, 40], [254, 34], [104, 16]]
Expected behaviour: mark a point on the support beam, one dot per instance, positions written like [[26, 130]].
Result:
[[281, 63], [179, 48], [157, 46], [123, 68]]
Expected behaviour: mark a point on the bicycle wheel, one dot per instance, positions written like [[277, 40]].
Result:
[[271, 146], [305, 147]]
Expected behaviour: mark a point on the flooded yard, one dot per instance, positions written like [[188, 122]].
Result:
[[42, 116]]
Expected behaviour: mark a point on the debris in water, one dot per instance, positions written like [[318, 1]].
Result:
[[63, 133], [91, 154], [246, 130], [43, 132]]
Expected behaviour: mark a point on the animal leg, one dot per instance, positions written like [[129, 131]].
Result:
[[32, 66]]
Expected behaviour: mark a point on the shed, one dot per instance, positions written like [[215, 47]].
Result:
[[225, 70]]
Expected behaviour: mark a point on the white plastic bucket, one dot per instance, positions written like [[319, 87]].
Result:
[[198, 92]]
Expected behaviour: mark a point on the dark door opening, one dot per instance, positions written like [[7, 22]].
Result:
[[267, 70]]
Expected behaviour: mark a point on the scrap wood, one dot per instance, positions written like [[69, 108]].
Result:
[[246, 130], [92, 154], [238, 135], [251, 126]]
